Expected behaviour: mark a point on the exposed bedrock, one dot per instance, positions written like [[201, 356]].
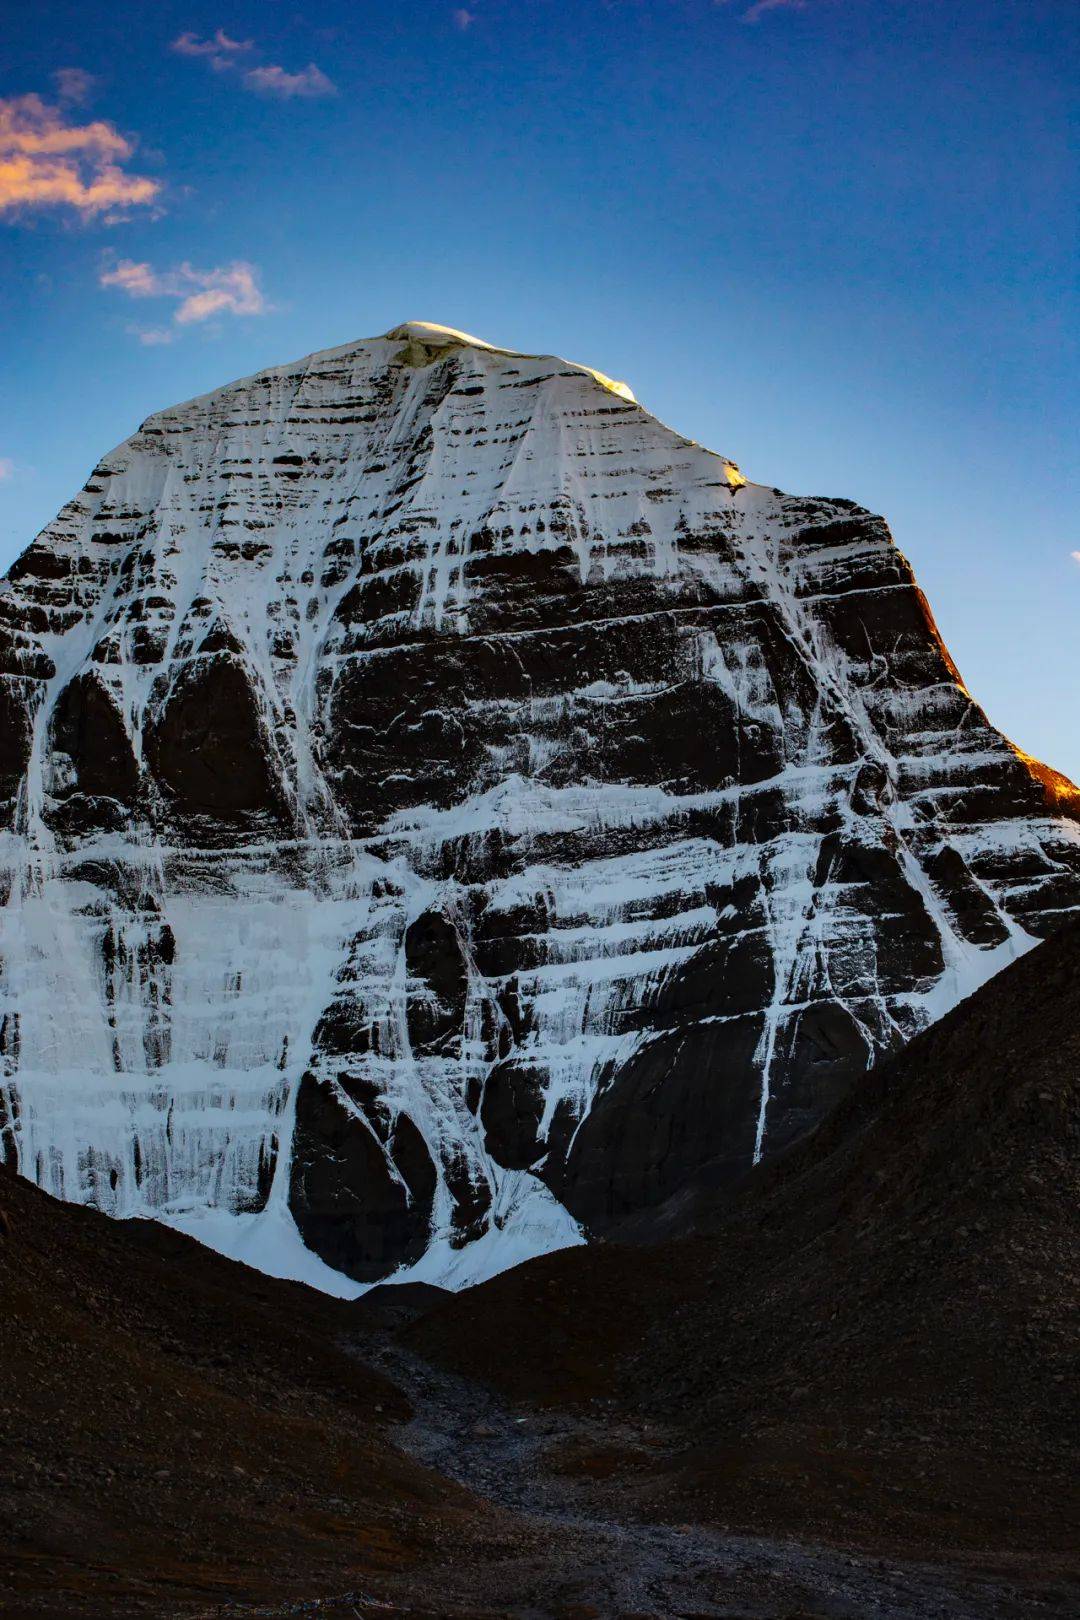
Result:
[[361, 1189], [16, 733], [93, 773], [205, 744], [87, 726], [449, 811], [438, 981]]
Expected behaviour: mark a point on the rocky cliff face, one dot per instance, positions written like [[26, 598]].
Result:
[[446, 808]]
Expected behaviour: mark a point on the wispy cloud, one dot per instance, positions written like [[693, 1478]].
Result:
[[1075, 555], [310, 83], [464, 19], [152, 336], [220, 52], [761, 8], [74, 85], [7, 469], [139, 280], [227, 289], [223, 54], [47, 161]]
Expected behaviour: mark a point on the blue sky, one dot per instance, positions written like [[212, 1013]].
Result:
[[833, 240]]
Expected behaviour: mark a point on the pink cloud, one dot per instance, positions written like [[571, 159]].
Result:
[[7, 469], [227, 289], [464, 19], [48, 162], [139, 280], [309, 83], [232, 289]]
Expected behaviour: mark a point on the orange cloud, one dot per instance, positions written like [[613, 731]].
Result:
[[227, 289], [47, 162]]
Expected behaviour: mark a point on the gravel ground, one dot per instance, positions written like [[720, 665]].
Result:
[[585, 1557]]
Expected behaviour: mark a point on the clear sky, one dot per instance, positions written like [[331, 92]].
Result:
[[831, 239]]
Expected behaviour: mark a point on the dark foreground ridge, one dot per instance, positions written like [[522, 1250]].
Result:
[[877, 1340], [178, 1430], [850, 1393]]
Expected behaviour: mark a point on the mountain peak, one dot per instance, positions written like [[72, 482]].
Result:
[[446, 811], [428, 336], [437, 337]]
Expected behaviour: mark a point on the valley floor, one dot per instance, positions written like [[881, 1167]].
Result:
[[583, 1555]]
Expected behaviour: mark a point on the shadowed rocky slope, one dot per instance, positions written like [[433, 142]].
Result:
[[446, 808], [177, 1431], [877, 1336]]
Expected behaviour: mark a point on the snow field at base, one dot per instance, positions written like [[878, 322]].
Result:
[[530, 1223]]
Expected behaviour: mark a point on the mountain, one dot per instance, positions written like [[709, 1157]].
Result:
[[447, 810], [852, 1394], [874, 1338]]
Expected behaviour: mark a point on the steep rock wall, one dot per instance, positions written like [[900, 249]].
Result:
[[446, 808]]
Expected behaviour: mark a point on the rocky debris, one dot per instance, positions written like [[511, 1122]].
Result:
[[180, 1436], [451, 812], [585, 1475]]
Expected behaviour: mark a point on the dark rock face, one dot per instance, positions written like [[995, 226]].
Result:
[[15, 737], [361, 1201], [102, 781], [435, 1007], [205, 746], [87, 726], [470, 809], [511, 1112], [683, 1100]]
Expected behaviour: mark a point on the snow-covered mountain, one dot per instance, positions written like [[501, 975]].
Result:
[[446, 808]]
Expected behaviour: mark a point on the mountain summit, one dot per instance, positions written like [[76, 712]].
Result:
[[447, 810]]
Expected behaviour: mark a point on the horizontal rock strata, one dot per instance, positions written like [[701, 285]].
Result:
[[445, 809]]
